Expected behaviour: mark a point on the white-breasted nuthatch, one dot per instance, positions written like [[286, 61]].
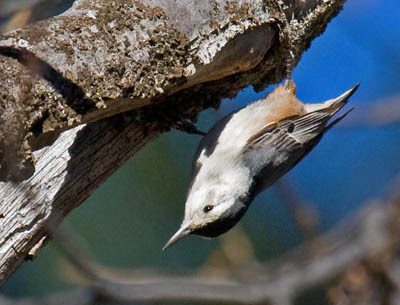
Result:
[[247, 151]]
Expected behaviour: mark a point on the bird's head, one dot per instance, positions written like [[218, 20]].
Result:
[[212, 208]]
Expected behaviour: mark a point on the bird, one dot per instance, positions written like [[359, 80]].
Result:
[[248, 150]]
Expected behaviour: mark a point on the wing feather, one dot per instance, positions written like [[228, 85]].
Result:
[[272, 153]]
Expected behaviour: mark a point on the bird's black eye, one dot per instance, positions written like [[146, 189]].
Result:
[[208, 208]]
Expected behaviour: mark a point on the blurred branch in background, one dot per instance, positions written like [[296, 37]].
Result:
[[20, 13], [233, 257], [358, 259], [381, 112], [304, 216], [8, 8]]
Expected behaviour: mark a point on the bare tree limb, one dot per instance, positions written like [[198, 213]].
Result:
[[165, 60], [372, 234]]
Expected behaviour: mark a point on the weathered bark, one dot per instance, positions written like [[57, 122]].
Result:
[[159, 61]]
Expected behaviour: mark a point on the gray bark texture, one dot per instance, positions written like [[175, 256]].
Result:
[[82, 92]]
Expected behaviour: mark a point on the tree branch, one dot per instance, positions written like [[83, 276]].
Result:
[[374, 232], [162, 63]]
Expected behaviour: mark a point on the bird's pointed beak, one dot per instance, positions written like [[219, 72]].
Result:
[[182, 232]]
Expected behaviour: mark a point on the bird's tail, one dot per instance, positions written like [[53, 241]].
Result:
[[331, 107], [337, 120], [334, 105]]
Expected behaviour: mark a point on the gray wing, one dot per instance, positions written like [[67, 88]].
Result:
[[280, 146]]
